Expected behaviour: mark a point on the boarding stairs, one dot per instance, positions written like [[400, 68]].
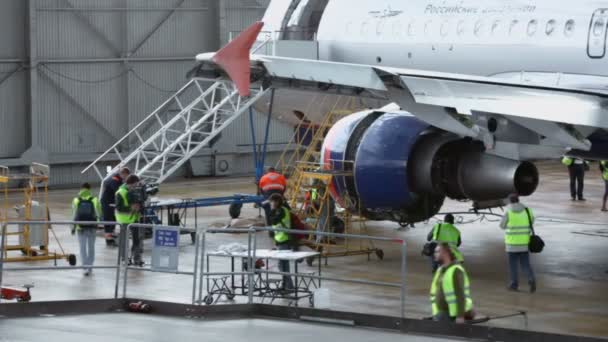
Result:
[[191, 119]]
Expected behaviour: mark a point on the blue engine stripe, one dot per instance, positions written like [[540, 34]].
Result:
[[381, 161]]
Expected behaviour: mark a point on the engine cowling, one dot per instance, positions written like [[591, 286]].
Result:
[[392, 166]]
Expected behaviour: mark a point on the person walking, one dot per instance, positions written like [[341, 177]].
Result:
[[446, 232], [450, 293], [604, 169], [128, 213], [517, 223], [86, 208], [576, 171], [107, 200], [280, 218]]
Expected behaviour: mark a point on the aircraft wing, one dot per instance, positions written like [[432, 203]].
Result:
[[550, 111]]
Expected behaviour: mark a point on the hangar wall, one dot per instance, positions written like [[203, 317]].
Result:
[[76, 75]]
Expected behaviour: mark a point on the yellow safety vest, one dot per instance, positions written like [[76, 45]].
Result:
[[567, 161], [282, 237], [605, 172], [448, 290], [450, 235], [518, 228], [129, 216]]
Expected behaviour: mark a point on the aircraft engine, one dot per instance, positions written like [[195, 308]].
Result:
[[392, 166]]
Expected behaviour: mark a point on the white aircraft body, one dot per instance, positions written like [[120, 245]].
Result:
[[523, 80]]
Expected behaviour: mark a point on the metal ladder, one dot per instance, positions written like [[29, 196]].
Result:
[[189, 120]]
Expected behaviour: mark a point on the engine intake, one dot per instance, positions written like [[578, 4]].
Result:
[[402, 168]]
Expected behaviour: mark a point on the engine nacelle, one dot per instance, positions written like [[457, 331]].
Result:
[[396, 167]]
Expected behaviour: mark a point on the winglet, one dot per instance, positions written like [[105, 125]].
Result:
[[234, 58]]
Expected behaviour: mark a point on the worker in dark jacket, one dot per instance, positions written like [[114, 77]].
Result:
[[107, 201]]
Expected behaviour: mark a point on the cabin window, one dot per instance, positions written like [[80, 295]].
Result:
[[532, 27], [598, 27], [411, 28], [445, 28], [479, 28], [460, 27], [397, 28], [550, 29], [495, 27], [364, 28], [427, 27], [513, 26], [569, 28], [379, 27]]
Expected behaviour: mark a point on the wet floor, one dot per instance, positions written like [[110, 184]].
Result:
[[571, 272], [129, 327]]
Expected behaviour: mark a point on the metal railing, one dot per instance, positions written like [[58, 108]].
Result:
[[200, 273]]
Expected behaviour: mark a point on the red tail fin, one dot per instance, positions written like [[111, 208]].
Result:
[[234, 58]]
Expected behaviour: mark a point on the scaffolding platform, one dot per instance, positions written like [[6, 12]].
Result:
[[30, 240]]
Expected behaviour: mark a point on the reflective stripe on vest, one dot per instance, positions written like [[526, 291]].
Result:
[[448, 290], [281, 237], [518, 229], [125, 217]]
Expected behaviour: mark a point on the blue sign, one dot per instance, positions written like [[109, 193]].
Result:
[[166, 238]]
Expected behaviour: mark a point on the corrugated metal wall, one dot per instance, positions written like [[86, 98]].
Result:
[[13, 79], [75, 75]]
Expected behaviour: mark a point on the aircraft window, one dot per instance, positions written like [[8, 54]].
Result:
[[427, 27], [598, 28], [460, 28], [445, 27], [532, 27], [364, 28], [550, 29], [495, 26], [513, 25], [397, 27], [379, 27], [569, 28], [411, 28], [479, 28]]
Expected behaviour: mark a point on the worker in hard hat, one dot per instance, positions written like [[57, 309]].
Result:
[[271, 183]]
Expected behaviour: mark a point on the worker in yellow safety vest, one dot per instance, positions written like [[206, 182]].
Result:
[[128, 213], [576, 170], [517, 223], [280, 218], [446, 232], [450, 293], [604, 169]]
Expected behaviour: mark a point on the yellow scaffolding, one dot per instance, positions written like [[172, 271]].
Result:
[[34, 187], [321, 214], [301, 163]]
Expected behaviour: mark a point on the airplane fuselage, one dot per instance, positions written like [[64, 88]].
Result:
[[542, 42], [554, 43]]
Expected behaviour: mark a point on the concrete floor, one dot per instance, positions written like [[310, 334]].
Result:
[[571, 272], [128, 327]]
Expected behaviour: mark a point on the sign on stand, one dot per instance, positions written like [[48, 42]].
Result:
[[165, 252]]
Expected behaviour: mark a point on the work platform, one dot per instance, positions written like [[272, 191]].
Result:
[[101, 320]]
